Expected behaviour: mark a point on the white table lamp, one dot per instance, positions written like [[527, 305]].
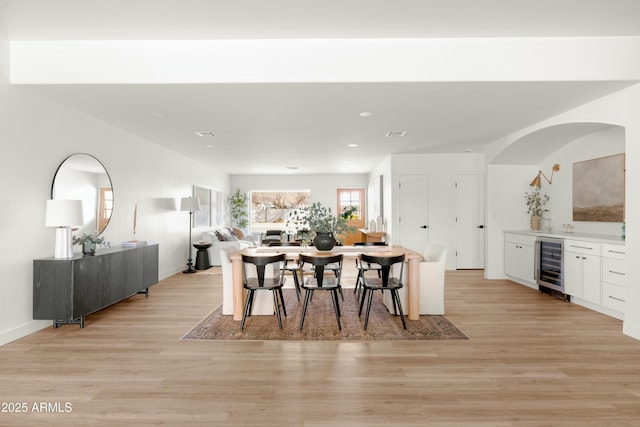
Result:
[[64, 214]]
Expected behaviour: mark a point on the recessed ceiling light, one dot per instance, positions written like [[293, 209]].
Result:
[[292, 168], [467, 150], [208, 146], [352, 145], [207, 133], [366, 114], [157, 115], [393, 133]]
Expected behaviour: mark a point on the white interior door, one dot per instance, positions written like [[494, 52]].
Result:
[[414, 211], [469, 196]]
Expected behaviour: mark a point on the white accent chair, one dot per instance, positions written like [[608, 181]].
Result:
[[263, 303], [432, 270], [431, 275]]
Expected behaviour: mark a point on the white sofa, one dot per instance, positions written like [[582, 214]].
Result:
[[230, 241]]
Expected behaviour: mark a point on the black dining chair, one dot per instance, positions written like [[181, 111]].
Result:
[[262, 283], [290, 266], [386, 282], [319, 282], [363, 267]]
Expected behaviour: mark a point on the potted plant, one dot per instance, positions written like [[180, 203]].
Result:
[[89, 242], [239, 211], [536, 202], [326, 226]]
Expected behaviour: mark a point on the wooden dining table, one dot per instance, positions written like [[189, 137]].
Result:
[[412, 279]]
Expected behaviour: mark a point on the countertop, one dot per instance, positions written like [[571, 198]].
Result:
[[601, 238]]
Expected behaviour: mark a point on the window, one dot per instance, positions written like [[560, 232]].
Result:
[[351, 198]]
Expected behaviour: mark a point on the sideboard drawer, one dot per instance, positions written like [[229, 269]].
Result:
[[614, 251], [614, 296], [614, 271]]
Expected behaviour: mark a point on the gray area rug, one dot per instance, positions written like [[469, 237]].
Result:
[[320, 323]]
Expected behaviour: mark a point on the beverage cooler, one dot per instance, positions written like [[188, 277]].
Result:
[[548, 264]]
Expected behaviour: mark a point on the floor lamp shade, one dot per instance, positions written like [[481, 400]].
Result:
[[63, 214], [189, 204]]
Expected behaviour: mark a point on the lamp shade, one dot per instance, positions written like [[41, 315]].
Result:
[[536, 181], [189, 204], [63, 213]]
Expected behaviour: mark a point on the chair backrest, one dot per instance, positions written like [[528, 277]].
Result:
[[385, 262], [273, 233], [319, 263], [435, 253], [283, 244], [260, 263], [370, 244]]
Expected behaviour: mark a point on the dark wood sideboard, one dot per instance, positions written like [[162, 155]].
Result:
[[67, 290]]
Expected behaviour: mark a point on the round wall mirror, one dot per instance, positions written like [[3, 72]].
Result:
[[83, 177]]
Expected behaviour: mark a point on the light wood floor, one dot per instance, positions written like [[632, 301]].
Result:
[[531, 360]]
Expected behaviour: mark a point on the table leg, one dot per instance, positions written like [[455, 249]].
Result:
[[413, 289], [238, 291]]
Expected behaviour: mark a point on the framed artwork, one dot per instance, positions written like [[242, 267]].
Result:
[[217, 207], [598, 189], [202, 217]]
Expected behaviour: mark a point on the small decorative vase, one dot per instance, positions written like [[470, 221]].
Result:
[[324, 241], [89, 248], [535, 223]]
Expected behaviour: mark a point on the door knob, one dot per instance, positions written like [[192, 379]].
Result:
[[481, 226], [424, 226]]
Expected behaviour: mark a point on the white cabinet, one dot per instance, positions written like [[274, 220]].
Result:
[[614, 280], [519, 257], [582, 270]]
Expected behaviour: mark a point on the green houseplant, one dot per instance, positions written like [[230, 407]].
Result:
[[536, 202], [239, 209], [326, 226], [89, 242]]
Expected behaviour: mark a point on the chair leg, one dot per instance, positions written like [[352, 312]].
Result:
[[247, 308], [307, 297], [284, 309], [296, 282], [366, 318], [396, 297], [275, 301], [336, 306], [362, 298]]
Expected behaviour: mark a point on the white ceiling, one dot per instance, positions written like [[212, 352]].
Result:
[[267, 127]]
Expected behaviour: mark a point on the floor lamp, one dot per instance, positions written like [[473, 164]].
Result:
[[190, 204]]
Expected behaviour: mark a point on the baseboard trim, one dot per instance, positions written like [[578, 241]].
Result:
[[23, 330], [633, 330]]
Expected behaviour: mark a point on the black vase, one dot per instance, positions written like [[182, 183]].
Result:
[[324, 241]]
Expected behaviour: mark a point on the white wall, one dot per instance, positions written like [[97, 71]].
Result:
[[383, 169], [442, 169], [36, 135], [600, 144]]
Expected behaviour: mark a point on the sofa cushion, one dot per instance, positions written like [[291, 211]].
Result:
[[221, 237]]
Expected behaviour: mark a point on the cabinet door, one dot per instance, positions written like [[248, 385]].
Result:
[[573, 284], [518, 261], [591, 278], [582, 276]]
